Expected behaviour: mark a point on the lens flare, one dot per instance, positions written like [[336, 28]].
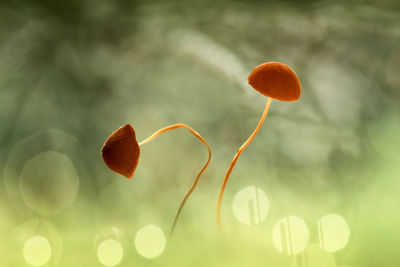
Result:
[[49, 182], [150, 241], [110, 252], [290, 235], [333, 232], [250, 205], [37, 251]]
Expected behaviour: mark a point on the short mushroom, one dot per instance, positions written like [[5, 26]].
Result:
[[121, 153]]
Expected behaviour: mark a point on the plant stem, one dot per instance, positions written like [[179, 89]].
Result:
[[236, 157], [172, 127]]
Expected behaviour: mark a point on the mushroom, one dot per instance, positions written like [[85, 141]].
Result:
[[121, 153], [277, 81]]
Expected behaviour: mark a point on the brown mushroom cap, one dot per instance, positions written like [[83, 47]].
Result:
[[121, 151], [276, 80]]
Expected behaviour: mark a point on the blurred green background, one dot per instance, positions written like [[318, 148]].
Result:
[[71, 72]]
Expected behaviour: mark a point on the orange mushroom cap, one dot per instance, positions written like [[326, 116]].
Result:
[[276, 80], [121, 151]]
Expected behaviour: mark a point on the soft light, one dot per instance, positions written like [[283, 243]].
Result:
[[150, 241], [250, 205], [37, 251], [49, 182], [333, 231], [110, 252], [290, 235]]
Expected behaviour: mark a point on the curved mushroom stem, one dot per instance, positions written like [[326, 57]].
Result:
[[235, 158], [172, 127]]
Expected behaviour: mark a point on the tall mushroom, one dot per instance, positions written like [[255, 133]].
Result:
[[274, 80]]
